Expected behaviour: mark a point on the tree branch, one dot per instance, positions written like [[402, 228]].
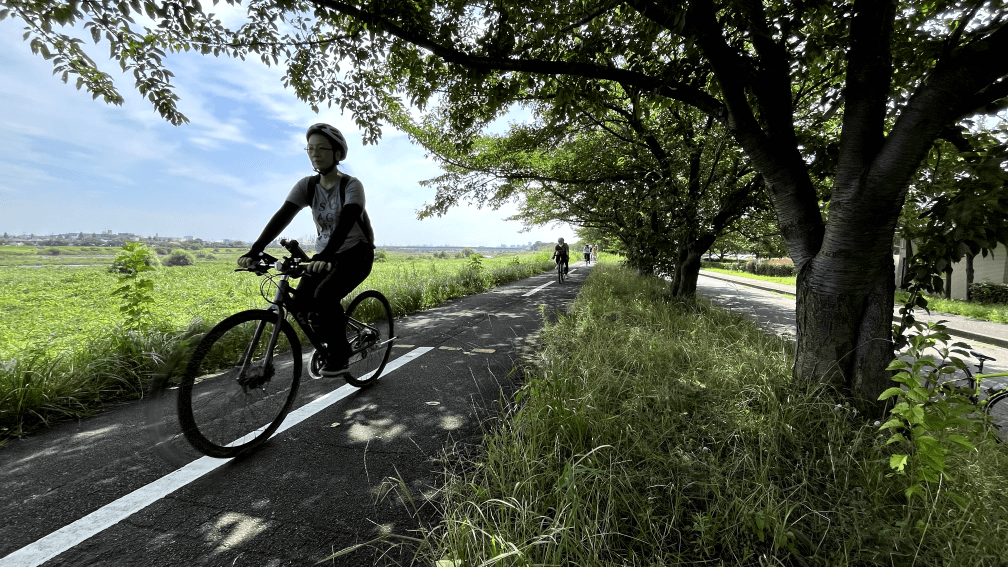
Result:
[[665, 86]]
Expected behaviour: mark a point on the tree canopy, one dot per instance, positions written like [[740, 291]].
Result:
[[893, 76], [665, 180]]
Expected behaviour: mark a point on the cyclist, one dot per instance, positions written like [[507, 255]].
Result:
[[587, 254], [344, 248], [561, 253]]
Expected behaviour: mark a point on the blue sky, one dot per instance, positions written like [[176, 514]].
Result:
[[69, 163]]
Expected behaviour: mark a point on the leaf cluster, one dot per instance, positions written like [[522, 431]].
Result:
[[136, 289], [933, 417]]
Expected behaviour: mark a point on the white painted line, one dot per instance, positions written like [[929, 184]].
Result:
[[551, 282], [110, 514]]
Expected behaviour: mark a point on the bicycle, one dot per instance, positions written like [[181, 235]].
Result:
[[996, 411], [561, 272], [235, 390]]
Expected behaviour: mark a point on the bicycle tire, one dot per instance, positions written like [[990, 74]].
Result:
[[223, 412], [997, 410], [560, 273], [371, 347], [957, 378]]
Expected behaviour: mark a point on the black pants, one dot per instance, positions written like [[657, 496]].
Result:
[[320, 295]]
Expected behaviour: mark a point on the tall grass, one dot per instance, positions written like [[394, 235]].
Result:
[[53, 376], [658, 431]]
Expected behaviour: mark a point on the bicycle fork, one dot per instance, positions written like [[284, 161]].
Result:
[[267, 363]]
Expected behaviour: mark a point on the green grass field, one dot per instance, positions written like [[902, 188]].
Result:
[[660, 431], [64, 350]]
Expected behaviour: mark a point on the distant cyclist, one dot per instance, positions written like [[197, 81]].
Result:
[[561, 253], [587, 254], [344, 249]]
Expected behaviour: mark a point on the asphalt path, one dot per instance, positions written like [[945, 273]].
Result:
[[367, 464], [775, 313]]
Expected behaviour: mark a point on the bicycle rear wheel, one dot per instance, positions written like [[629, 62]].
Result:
[[997, 409], [238, 386], [369, 332]]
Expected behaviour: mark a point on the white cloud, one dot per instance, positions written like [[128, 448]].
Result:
[[221, 176]]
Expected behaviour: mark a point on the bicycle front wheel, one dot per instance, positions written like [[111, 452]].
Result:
[[240, 383], [369, 332], [560, 274], [997, 409]]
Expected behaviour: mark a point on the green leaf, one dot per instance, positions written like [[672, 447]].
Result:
[[913, 490], [962, 441], [898, 364], [891, 424], [890, 393], [898, 462], [915, 415], [896, 438]]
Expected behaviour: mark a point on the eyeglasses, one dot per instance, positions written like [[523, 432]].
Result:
[[315, 150]]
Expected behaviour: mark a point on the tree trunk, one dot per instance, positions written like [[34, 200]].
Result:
[[948, 283], [969, 275], [845, 339], [687, 272], [687, 268]]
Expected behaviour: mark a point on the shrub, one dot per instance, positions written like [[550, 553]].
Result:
[[161, 250], [53, 252], [989, 292], [180, 257], [763, 268], [135, 287], [380, 256], [768, 269], [131, 256]]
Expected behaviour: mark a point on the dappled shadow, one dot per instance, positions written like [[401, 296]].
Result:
[[367, 466]]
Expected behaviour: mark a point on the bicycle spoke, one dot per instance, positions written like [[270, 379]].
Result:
[[369, 333], [229, 404], [997, 409]]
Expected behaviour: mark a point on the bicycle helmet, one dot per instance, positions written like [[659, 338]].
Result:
[[334, 136]]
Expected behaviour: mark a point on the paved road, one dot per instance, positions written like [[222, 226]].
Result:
[[775, 312], [320, 486]]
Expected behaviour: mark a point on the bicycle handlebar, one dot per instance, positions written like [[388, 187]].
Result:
[[288, 266]]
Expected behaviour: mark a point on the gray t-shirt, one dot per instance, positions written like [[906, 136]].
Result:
[[326, 212]]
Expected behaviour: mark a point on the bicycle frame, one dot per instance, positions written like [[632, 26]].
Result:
[[277, 307], [280, 299]]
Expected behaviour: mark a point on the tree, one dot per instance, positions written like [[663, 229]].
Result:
[[755, 233], [961, 210], [663, 179], [771, 73]]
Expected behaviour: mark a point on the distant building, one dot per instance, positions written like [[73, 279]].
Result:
[[993, 268]]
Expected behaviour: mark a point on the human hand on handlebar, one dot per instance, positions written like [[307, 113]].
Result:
[[318, 266], [247, 261]]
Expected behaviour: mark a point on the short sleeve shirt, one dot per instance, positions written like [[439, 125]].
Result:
[[327, 209]]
